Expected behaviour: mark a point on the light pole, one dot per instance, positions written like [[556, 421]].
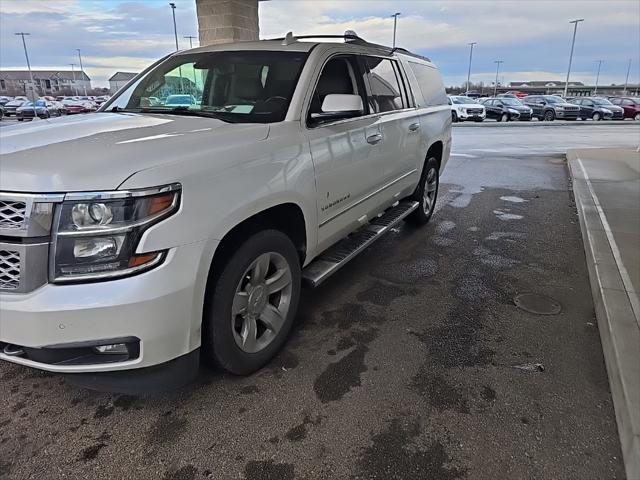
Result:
[[626, 81], [395, 26], [82, 72], [33, 85], [495, 87], [469, 72], [175, 29], [595, 91], [190, 37], [573, 42], [73, 72]]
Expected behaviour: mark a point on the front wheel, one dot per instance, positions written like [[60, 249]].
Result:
[[596, 117], [549, 115], [426, 193], [454, 117], [636, 117], [504, 118], [252, 303]]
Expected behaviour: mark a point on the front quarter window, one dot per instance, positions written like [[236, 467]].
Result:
[[235, 86]]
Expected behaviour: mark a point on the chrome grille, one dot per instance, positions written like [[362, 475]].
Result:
[[9, 270], [12, 214], [571, 109]]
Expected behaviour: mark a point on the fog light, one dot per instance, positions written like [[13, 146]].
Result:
[[97, 247], [113, 349]]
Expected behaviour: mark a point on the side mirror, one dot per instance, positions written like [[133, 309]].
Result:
[[340, 105]]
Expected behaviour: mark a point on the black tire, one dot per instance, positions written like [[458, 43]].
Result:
[[420, 216], [596, 117], [20, 119], [636, 117], [479, 120], [454, 117], [219, 346], [549, 116], [504, 117]]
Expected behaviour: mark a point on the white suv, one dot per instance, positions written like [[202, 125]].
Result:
[[132, 237]]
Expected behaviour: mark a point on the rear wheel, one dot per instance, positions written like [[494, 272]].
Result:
[[596, 116], [549, 115], [252, 304], [426, 193], [636, 117]]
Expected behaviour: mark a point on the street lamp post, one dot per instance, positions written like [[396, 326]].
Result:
[[395, 26], [495, 87], [626, 81], [84, 85], [469, 72], [190, 37], [33, 85], [73, 73], [175, 29], [595, 91], [573, 42]]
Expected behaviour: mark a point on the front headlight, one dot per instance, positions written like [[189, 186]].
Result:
[[97, 233], [559, 108], [462, 109], [511, 110], [606, 110]]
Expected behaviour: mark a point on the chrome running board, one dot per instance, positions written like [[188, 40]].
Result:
[[336, 256]]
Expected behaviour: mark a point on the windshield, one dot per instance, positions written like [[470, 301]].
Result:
[[39, 103], [511, 102], [462, 100], [553, 99], [601, 101], [237, 86]]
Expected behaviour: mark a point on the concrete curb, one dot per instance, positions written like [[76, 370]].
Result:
[[618, 324], [533, 123]]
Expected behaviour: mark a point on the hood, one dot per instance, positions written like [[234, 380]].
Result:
[[520, 108], [468, 105], [101, 150]]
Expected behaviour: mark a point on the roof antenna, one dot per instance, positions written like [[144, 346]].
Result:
[[349, 34], [289, 39]]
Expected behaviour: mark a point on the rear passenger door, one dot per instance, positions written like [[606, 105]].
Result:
[[399, 122]]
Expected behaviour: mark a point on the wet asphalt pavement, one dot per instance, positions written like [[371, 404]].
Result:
[[402, 366]]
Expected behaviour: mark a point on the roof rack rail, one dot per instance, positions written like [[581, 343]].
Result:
[[351, 37]]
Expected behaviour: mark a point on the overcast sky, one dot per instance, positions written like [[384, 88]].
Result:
[[531, 37]]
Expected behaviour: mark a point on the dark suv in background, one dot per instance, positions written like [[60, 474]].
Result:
[[550, 107], [630, 105], [598, 108], [505, 109]]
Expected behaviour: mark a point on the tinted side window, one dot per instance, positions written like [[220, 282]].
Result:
[[626, 101], [430, 84], [386, 91]]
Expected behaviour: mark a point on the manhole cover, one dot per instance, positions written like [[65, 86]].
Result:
[[538, 304]]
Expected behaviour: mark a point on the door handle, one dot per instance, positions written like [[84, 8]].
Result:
[[375, 138], [414, 126]]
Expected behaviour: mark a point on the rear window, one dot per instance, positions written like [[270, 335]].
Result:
[[386, 90], [430, 84]]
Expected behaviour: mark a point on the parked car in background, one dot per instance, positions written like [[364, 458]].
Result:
[[1, 112], [11, 107], [630, 105], [550, 107], [61, 107], [186, 234], [517, 93], [43, 109], [180, 101], [465, 108], [472, 94], [75, 106], [505, 109], [597, 108], [4, 100], [21, 97]]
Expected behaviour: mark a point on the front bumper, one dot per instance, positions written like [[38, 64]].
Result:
[[466, 115], [160, 311], [567, 115]]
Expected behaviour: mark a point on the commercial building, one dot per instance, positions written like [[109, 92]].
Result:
[[119, 80], [47, 82]]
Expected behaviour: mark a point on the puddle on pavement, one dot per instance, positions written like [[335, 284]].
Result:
[[513, 199], [504, 215], [538, 304]]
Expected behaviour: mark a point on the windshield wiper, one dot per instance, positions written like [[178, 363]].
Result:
[[184, 110]]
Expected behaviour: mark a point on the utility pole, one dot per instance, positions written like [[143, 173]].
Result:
[[395, 26], [175, 29], [469, 72], [573, 42], [73, 72], [190, 37], [595, 91], [495, 87], [82, 72], [33, 85], [626, 81]]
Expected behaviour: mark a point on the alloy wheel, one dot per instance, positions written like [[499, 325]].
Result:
[[430, 191], [261, 302]]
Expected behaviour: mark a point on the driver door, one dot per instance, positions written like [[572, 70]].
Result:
[[345, 153]]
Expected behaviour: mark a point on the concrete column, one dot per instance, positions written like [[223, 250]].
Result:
[[225, 21]]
